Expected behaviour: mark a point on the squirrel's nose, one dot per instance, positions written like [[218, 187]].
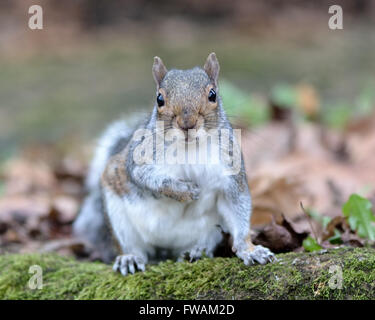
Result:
[[186, 123], [187, 127]]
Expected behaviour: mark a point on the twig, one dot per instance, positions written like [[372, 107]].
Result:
[[311, 225]]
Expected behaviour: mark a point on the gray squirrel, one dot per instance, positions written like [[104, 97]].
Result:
[[153, 210]]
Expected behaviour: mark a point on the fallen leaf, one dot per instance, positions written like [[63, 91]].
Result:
[[65, 209], [360, 217], [23, 177], [310, 244], [280, 236], [274, 195]]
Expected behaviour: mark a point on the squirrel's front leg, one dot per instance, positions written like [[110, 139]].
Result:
[[133, 251], [235, 208], [151, 178]]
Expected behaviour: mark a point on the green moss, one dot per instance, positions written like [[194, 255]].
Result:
[[294, 276]]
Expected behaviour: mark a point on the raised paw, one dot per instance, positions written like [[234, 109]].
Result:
[[180, 190], [259, 254], [190, 190], [129, 263]]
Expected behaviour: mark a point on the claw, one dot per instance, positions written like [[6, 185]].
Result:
[[259, 254], [131, 267], [124, 271], [272, 259], [195, 254], [249, 262], [128, 263], [142, 267]]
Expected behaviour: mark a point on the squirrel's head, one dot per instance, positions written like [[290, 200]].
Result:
[[187, 99]]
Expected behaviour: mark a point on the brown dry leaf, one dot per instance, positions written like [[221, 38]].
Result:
[[338, 223], [3, 227], [274, 190], [71, 187], [362, 125], [278, 168], [26, 217], [311, 172], [282, 236], [361, 146], [336, 143], [352, 239], [20, 208], [309, 141], [71, 168], [28, 247], [22, 176], [12, 236], [274, 195], [281, 113], [42, 191], [348, 237], [68, 246], [64, 209]]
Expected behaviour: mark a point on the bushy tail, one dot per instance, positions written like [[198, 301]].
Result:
[[90, 224]]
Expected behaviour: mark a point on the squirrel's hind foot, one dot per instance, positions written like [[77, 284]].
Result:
[[129, 263]]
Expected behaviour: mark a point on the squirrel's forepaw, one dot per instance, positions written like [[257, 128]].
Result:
[[129, 263], [190, 190], [259, 254], [194, 191]]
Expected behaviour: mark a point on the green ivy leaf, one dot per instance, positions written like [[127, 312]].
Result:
[[360, 217], [336, 238], [310, 244]]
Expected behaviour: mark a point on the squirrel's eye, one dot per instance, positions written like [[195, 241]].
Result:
[[212, 95], [160, 100]]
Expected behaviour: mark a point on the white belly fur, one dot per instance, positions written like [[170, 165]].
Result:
[[170, 224]]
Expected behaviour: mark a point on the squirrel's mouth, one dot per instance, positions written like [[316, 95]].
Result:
[[194, 135], [190, 133]]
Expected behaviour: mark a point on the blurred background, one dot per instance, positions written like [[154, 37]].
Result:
[[304, 95]]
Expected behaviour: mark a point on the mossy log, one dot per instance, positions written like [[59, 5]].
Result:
[[294, 276]]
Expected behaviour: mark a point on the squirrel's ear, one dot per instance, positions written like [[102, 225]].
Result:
[[212, 67], [158, 70]]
